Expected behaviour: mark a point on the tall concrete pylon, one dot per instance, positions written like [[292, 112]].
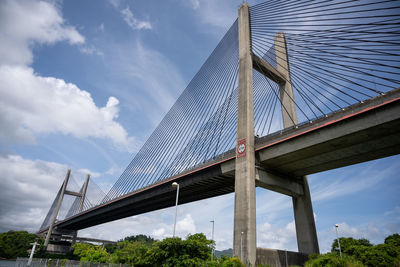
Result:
[[63, 192], [307, 241], [244, 234], [246, 174], [84, 189], [60, 199]]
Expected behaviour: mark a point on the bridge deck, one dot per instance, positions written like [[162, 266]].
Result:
[[362, 132]]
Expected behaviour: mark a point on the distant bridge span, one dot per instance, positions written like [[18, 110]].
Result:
[[362, 132]]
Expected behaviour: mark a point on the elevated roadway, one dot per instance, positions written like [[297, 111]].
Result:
[[359, 133]]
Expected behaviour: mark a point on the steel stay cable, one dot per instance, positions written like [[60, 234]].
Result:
[[349, 68], [268, 100], [201, 130], [201, 70], [293, 73], [292, 63], [290, 14], [336, 45], [211, 57], [258, 104], [226, 109], [287, 112], [208, 115]]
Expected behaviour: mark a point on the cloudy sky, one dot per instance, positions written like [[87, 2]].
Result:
[[84, 83]]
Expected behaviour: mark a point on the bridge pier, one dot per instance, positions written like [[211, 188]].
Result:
[[307, 241]]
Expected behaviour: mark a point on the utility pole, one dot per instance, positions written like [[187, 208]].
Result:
[[212, 238]]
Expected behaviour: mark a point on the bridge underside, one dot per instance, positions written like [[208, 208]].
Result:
[[363, 132]]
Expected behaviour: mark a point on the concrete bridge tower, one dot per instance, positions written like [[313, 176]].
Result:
[[246, 171]]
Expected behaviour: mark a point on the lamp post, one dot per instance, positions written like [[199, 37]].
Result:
[[176, 185], [337, 236], [32, 252], [241, 246], [212, 238]]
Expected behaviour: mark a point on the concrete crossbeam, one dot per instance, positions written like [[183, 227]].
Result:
[[71, 193], [284, 185], [268, 70]]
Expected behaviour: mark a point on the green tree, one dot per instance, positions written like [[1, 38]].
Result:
[[91, 253], [15, 244], [377, 256], [332, 260], [231, 262], [393, 240], [349, 244], [194, 251], [132, 253], [140, 238]]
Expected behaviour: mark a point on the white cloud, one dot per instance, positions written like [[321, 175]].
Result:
[[24, 23], [219, 14], [158, 81], [31, 104], [346, 230], [27, 190], [195, 4], [101, 27], [186, 225], [348, 182], [277, 237], [91, 50], [114, 3], [133, 22]]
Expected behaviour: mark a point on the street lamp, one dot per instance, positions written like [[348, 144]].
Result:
[[241, 246], [337, 236], [176, 185], [32, 252], [212, 238]]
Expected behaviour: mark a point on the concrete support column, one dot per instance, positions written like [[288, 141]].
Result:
[[244, 235], [60, 199], [84, 189], [307, 241], [286, 91]]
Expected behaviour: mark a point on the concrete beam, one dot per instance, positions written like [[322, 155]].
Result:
[[268, 70], [288, 185], [67, 192], [228, 167]]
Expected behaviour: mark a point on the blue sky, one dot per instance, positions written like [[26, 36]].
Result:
[[84, 83]]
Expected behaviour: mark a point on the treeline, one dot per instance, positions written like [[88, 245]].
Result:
[[195, 250], [360, 253], [141, 250]]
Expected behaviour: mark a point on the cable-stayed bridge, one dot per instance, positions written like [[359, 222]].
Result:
[[293, 88]]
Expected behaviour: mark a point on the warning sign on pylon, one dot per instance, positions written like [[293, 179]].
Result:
[[241, 148]]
